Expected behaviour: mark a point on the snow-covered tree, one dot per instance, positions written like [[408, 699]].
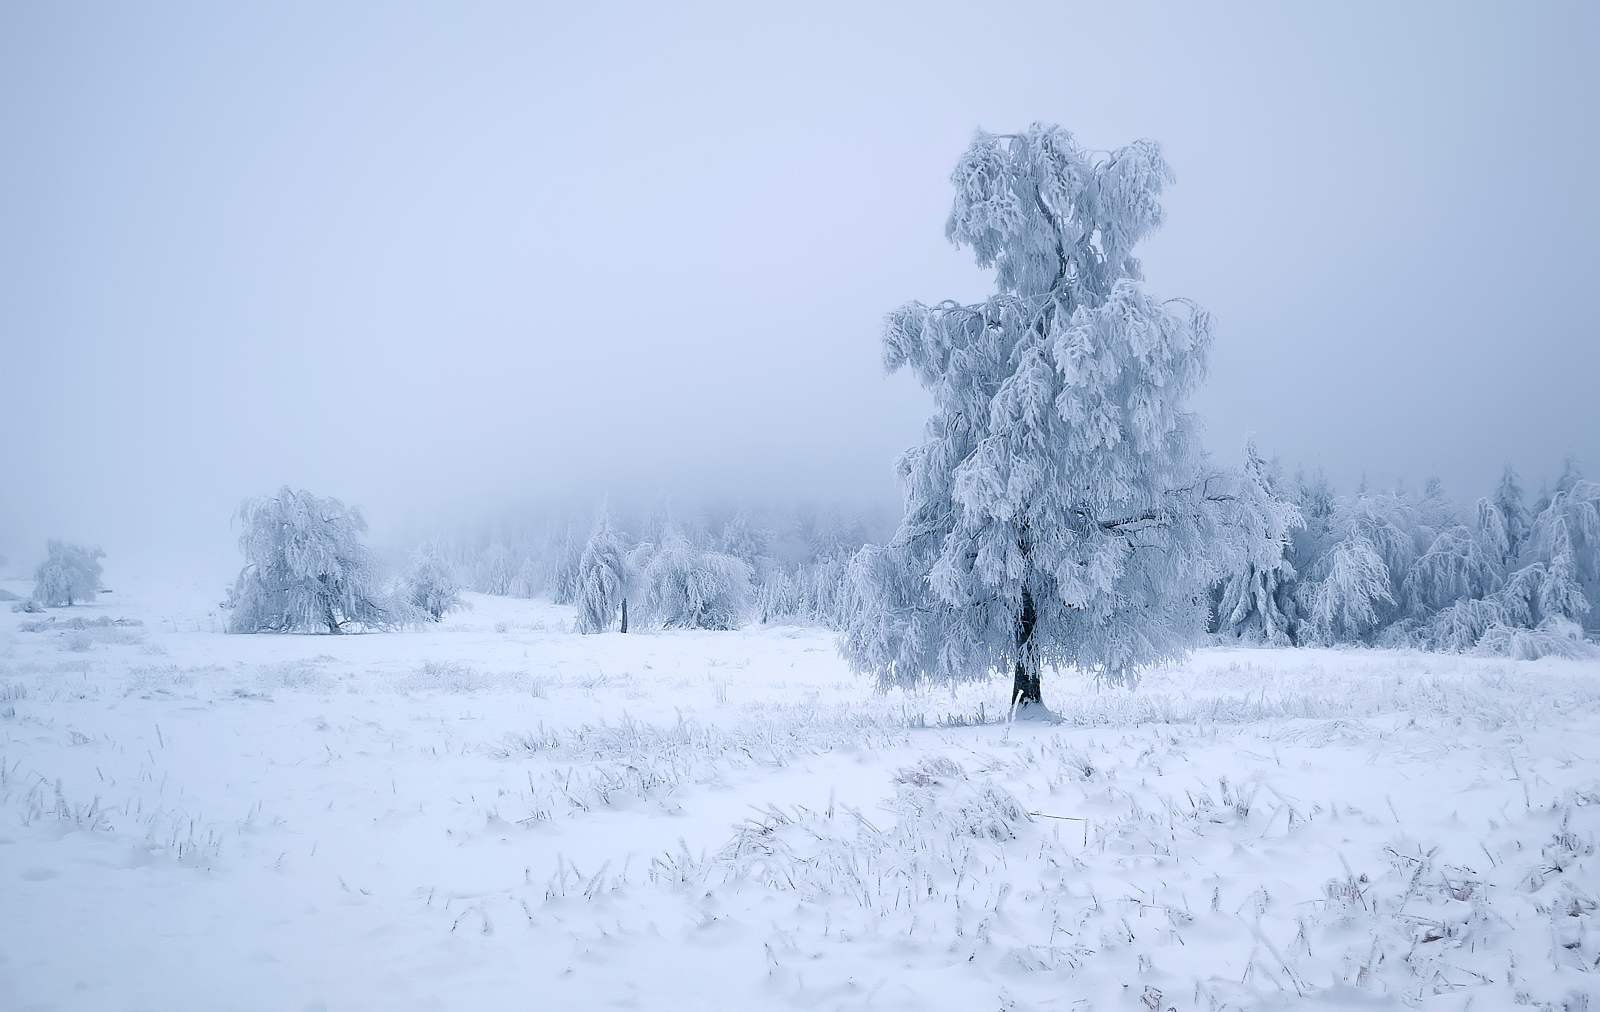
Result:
[[746, 539], [1511, 514], [306, 568], [70, 574], [1257, 601], [692, 589], [1060, 510], [565, 579], [1459, 564], [1564, 541], [1353, 589], [496, 570], [603, 578], [1347, 603], [429, 586]]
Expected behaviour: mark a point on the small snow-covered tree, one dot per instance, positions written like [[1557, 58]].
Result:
[[603, 579], [496, 570], [1510, 514], [1459, 564], [70, 574], [1565, 540], [306, 568], [429, 586], [1347, 603], [744, 538], [565, 580], [693, 589], [1060, 510], [1257, 601], [1354, 588]]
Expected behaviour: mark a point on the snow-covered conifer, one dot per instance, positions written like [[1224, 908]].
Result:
[[496, 569], [603, 579], [746, 539], [306, 568], [70, 574], [566, 579], [1060, 510], [777, 599], [1352, 589], [1257, 600], [1513, 514], [1458, 565], [1565, 538]]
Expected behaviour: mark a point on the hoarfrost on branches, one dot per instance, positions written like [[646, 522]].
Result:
[[1257, 600], [70, 574], [429, 587], [306, 568], [689, 588], [1061, 510], [602, 579]]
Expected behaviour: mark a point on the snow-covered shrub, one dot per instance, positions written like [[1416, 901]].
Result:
[[429, 587], [70, 574], [690, 588], [1554, 637], [306, 568], [1459, 627]]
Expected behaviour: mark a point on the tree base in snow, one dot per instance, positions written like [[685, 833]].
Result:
[[1035, 711]]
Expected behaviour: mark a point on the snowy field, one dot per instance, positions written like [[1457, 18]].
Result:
[[500, 814]]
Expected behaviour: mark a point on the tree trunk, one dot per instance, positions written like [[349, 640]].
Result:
[[624, 614], [1025, 681]]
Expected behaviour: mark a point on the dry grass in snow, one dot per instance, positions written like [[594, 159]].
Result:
[[500, 813]]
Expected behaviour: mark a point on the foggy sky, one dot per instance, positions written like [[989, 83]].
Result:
[[430, 260]]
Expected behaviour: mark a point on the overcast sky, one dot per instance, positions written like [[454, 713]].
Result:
[[439, 259]]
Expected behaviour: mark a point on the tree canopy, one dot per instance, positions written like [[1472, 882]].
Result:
[[1060, 510]]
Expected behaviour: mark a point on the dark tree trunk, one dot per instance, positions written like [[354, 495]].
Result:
[[1025, 681], [624, 614]]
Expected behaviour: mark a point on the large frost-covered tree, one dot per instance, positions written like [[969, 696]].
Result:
[[1060, 510], [306, 568]]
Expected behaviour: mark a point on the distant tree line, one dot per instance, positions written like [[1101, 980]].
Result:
[[1399, 568], [1511, 574], [702, 569]]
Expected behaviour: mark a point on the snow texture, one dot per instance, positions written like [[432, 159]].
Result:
[[495, 811]]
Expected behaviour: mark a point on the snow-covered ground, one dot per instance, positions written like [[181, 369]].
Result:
[[500, 814]]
